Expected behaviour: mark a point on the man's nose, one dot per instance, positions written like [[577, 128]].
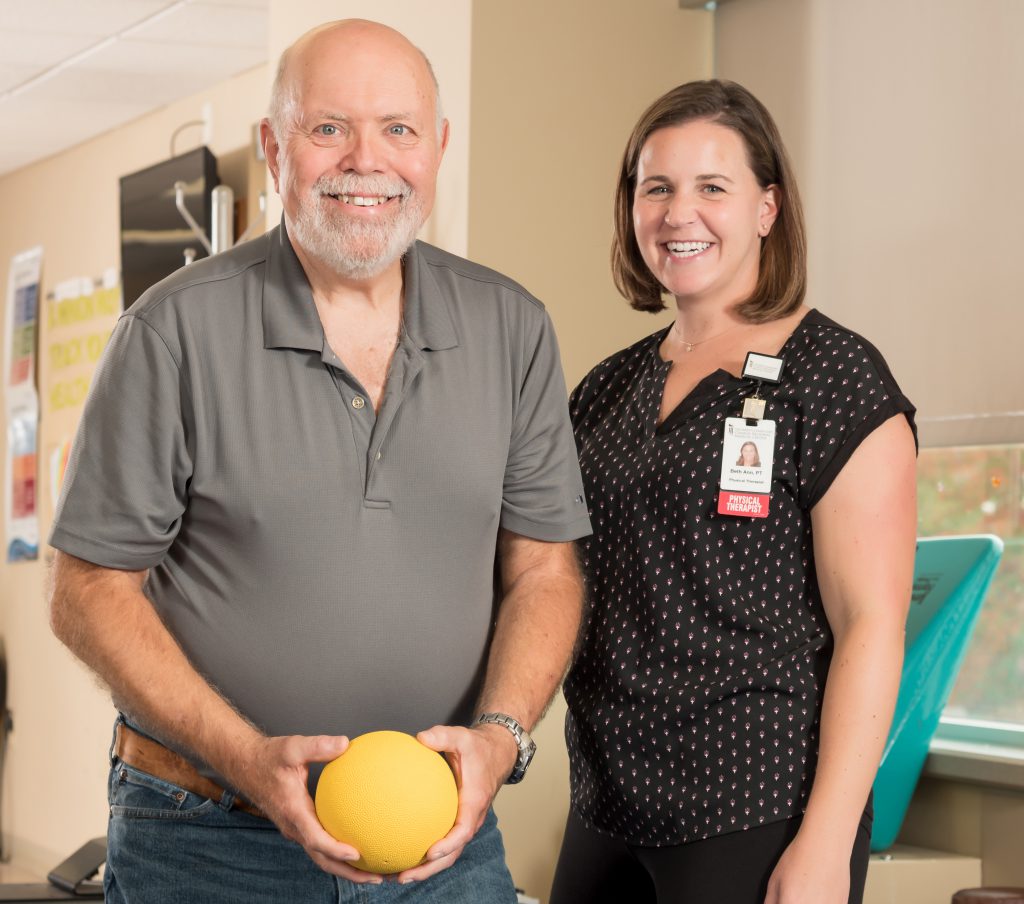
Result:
[[363, 153]]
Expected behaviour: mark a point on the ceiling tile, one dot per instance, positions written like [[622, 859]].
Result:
[[202, 65], [73, 69], [41, 49], [47, 129], [204, 23], [95, 17], [13, 75], [252, 4]]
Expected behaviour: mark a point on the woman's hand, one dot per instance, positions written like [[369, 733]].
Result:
[[809, 873]]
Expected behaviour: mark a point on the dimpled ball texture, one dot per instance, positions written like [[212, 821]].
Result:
[[388, 796]]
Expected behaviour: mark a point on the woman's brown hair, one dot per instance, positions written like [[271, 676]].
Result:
[[782, 273]]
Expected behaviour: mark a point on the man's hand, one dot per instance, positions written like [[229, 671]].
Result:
[[482, 758], [273, 774]]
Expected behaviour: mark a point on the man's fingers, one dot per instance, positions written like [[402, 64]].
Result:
[[343, 869], [429, 867], [321, 748]]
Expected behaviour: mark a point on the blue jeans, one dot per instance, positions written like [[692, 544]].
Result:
[[166, 845]]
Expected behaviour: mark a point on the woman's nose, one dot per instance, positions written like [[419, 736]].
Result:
[[681, 211]]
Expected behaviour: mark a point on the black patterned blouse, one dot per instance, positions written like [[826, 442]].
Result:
[[694, 701]]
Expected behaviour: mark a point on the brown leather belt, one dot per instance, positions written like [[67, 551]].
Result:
[[152, 757]]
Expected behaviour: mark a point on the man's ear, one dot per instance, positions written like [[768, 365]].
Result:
[[272, 151]]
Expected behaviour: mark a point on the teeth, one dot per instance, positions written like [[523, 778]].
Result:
[[688, 249], [362, 201]]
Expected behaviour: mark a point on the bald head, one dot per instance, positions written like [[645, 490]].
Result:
[[379, 45]]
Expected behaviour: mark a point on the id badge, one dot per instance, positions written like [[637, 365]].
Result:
[[748, 451]]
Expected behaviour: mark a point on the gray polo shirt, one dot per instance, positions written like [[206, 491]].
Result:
[[329, 570]]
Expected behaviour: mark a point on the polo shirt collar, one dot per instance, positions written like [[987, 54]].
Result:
[[427, 318], [290, 318]]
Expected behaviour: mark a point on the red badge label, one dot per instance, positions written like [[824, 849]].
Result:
[[745, 505]]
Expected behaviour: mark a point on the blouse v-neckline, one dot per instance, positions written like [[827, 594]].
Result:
[[703, 387]]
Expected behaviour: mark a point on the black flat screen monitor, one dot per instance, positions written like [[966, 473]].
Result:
[[154, 235]]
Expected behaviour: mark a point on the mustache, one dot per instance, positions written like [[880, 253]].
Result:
[[369, 186]]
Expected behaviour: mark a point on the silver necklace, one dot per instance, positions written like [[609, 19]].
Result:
[[690, 346]]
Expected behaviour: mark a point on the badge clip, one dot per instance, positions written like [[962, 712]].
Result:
[[753, 408]]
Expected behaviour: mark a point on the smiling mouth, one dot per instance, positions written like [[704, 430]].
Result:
[[686, 249], [363, 200]]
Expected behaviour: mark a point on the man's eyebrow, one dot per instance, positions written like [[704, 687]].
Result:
[[329, 114]]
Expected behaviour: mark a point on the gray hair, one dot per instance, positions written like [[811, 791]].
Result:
[[284, 96]]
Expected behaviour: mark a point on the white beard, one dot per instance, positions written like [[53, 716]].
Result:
[[353, 247]]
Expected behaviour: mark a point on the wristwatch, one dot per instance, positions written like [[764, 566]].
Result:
[[527, 747]]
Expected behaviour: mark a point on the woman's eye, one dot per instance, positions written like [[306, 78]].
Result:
[[658, 190], [713, 189], [327, 130]]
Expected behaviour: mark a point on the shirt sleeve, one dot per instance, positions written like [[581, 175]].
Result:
[[543, 491], [126, 485], [852, 395]]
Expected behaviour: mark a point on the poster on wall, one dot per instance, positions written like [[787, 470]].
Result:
[[77, 320], [21, 518]]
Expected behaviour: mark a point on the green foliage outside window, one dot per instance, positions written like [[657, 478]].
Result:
[[980, 490]]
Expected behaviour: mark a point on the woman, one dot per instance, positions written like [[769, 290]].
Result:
[[749, 457], [736, 677]]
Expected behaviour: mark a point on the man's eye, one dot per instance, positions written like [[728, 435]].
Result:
[[327, 130], [398, 129]]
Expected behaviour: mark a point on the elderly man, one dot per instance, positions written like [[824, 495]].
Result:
[[324, 484]]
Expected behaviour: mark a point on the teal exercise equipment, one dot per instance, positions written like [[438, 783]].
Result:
[[951, 577]]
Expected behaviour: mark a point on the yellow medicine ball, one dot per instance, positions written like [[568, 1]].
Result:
[[390, 797]]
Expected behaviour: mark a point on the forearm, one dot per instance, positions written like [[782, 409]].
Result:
[[530, 652], [860, 695], [106, 620], [538, 622]]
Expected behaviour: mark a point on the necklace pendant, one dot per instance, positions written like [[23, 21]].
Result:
[[689, 345]]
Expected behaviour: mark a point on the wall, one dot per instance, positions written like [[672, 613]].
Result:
[[904, 122], [967, 818], [557, 88], [54, 783]]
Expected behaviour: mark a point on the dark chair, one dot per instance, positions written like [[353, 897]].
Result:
[[989, 896]]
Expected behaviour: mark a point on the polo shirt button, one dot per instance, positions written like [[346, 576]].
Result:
[[358, 402]]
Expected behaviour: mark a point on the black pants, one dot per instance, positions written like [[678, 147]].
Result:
[[730, 869]]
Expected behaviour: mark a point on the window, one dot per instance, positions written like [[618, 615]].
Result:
[[974, 490]]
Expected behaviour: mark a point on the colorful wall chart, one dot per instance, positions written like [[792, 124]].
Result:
[[21, 519]]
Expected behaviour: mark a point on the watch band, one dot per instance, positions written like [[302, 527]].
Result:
[[526, 745]]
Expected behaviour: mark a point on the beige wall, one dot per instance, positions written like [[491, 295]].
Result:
[[974, 819], [908, 138]]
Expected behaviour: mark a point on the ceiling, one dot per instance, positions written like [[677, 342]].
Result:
[[72, 69]]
